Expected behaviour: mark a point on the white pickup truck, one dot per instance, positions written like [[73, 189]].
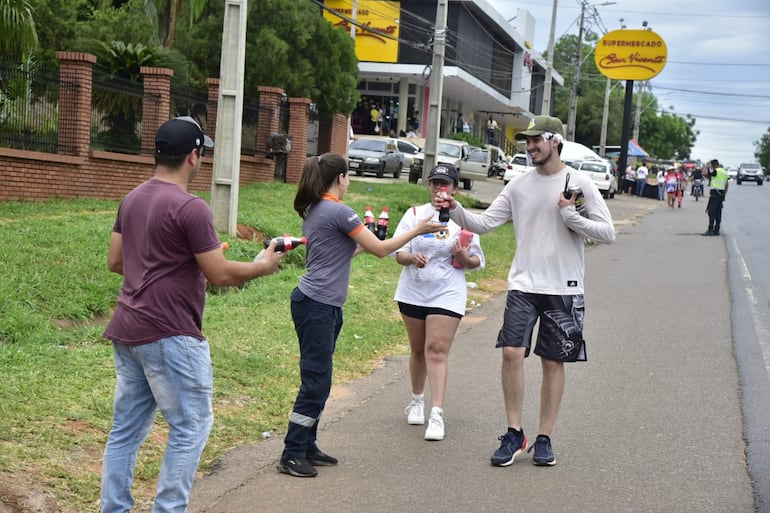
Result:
[[478, 164]]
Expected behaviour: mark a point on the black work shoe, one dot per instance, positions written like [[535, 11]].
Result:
[[297, 467], [707, 233], [319, 458]]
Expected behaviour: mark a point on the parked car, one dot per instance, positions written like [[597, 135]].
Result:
[[374, 155], [751, 172], [487, 161], [451, 151], [517, 166], [601, 173], [408, 151]]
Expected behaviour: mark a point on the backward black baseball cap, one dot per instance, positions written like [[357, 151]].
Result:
[[179, 136]]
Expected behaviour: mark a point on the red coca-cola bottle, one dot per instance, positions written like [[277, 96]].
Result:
[[382, 224], [443, 213], [282, 244], [286, 243], [369, 219]]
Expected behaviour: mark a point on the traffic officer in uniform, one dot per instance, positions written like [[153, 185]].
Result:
[[719, 184]]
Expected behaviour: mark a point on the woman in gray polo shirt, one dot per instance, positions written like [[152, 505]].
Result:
[[335, 234]]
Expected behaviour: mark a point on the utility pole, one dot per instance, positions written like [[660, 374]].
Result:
[[605, 117], [638, 116], [436, 91], [545, 110], [571, 114], [225, 180]]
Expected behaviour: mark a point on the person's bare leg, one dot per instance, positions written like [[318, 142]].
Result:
[[551, 392], [415, 330], [440, 331], [512, 375]]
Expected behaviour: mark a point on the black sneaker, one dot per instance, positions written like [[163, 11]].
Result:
[[511, 445], [297, 467], [318, 458], [708, 233], [543, 452]]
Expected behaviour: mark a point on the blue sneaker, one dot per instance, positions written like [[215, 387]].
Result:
[[511, 445], [543, 452]]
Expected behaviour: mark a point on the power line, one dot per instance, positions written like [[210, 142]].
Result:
[[748, 64], [717, 93]]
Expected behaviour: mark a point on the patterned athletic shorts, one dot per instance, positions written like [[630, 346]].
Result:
[[560, 333]]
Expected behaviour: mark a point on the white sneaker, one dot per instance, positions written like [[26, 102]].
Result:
[[415, 412], [435, 429]]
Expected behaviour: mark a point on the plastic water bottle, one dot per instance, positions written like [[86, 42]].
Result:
[[382, 224], [369, 219], [443, 213]]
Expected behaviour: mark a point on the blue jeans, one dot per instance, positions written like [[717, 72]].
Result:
[[661, 190], [174, 375], [640, 182], [317, 325]]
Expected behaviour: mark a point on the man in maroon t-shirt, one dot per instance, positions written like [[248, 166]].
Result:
[[166, 247]]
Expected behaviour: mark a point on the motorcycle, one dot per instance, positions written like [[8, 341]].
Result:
[[697, 188]]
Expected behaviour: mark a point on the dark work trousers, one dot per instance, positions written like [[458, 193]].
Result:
[[317, 325], [714, 209]]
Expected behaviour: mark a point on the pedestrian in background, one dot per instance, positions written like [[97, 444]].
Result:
[[335, 234], [661, 184], [165, 246], [629, 180], [719, 184], [681, 180], [492, 129], [459, 124], [672, 186], [641, 179], [545, 282], [431, 295]]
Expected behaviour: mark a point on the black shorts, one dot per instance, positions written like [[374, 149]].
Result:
[[560, 334], [421, 312]]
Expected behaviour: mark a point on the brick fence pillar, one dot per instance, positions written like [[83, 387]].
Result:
[[156, 104], [76, 77], [269, 115], [299, 110], [339, 135]]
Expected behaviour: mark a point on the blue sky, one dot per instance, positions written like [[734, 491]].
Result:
[[718, 67]]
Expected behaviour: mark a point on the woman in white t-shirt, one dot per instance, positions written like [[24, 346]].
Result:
[[431, 295]]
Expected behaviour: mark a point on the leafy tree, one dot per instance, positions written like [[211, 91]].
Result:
[[165, 16], [288, 45], [18, 35], [292, 46], [762, 152], [128, 23], [115, 95]]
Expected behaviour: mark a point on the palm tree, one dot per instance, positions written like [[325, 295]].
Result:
[[18, 36], [164, 15]]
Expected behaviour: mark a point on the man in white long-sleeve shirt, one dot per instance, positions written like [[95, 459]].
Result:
[[546, 278]]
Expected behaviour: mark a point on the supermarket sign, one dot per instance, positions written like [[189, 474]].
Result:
[[630, 54], [377, 27]]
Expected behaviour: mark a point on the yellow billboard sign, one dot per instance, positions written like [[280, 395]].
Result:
[[376, 26], [630, 54]]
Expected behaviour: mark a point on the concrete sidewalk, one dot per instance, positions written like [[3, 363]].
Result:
[[651, 423]]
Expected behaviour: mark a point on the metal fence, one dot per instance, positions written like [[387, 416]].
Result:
[[116, 114], [29, 107]]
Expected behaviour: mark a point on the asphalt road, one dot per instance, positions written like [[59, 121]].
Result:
[[651, 423]]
